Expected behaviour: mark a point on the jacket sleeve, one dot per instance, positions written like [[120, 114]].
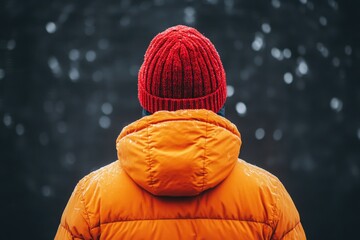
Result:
[[75, 219], [287, 220]]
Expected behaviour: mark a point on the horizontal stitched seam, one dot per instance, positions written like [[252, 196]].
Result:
[[178, 219], [178, 120], [66, 229], [290, 230]]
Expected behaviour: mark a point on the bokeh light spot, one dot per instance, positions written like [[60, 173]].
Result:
[[288, 78], [104, 122], [106, 108], [336, 104], [241, 108], [51, 27], [230, 90], [259, 133]]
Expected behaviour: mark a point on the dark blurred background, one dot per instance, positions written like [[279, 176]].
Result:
[[68, 85]]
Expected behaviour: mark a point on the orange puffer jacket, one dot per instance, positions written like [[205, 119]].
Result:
[[179, 177]]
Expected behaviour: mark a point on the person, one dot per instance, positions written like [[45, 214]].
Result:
[[178, 175]]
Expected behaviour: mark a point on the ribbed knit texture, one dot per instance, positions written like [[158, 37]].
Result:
[[181, 70]]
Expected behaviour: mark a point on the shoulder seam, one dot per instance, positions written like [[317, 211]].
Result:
[[286, 233], [275, 215], [66, 229], [82, 199]]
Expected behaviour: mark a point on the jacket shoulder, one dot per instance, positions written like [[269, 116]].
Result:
[[259, 175], [96, 187], [106, 192], [253, 190], [106, 174], [284, 217]]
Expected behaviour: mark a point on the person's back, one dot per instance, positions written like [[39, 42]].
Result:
[[178, 175]]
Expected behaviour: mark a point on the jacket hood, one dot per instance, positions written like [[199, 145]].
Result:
[[179, 153]]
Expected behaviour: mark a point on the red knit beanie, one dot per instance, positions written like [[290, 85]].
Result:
[[181, 70]]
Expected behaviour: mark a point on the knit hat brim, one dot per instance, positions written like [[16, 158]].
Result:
[[214, 101]]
